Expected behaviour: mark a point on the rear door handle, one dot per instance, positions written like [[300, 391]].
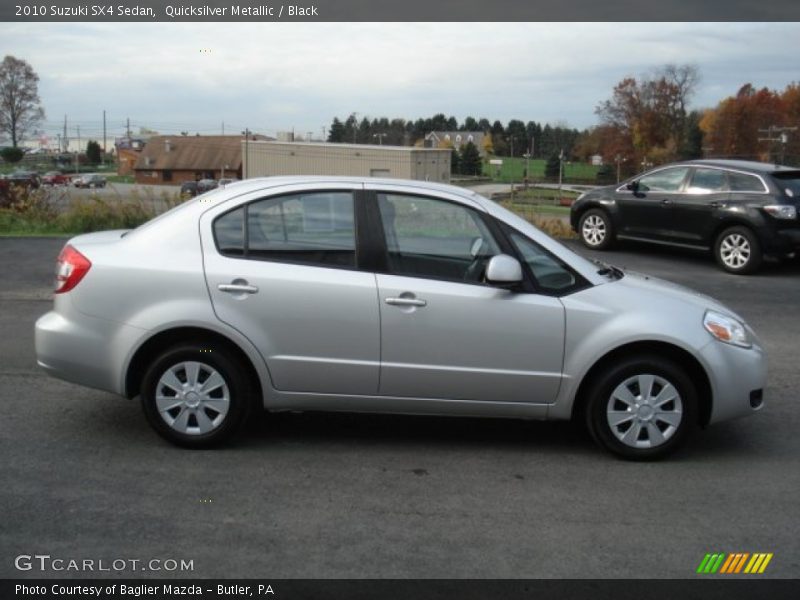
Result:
[[237, 288], [714, 205], [405, 302], [666, 202]]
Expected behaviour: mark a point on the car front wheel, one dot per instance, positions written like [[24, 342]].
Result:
[[642, 408], [737, 251], [196, 396], [595, 229]]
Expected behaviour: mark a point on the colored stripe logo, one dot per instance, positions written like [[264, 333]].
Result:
[[738, 562]]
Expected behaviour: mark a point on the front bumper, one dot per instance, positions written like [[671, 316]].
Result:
[[738, 379]]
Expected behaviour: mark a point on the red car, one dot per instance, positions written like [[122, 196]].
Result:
[[55, 178]]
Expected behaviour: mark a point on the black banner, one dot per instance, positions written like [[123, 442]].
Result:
[[388, 589], [405, 10]]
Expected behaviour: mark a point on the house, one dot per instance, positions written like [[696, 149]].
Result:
[[173, 159], [454, 139]]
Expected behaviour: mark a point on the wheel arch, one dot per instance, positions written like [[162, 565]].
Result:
[[683, 358], [147, 351]]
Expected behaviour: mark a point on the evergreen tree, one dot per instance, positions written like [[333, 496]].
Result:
[[93, 153], [471, 163], [552, 166], [336, 133]]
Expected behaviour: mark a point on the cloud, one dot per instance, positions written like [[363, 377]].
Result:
[[274, 76]]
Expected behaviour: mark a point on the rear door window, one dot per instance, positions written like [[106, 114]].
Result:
[[707, 181]]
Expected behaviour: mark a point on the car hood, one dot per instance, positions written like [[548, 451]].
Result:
[[668, 289]]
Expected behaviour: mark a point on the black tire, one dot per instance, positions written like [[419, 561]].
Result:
[[595, 229], [236, 383], [675, 421], [737, 250]]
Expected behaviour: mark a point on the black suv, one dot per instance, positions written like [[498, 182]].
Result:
[[740, 210]]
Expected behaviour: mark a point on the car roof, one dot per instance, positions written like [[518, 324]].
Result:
[[742, 165]]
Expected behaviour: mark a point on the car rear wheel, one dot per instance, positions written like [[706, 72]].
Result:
[[595, 229], [196, 396], [737, 251], [642, 408]]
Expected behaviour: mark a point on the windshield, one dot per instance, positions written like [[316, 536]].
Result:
[[789, 182]]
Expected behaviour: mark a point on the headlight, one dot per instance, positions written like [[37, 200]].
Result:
[[781, 211], [726, 329]]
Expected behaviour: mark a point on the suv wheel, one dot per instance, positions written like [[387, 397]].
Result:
[[195, 396], [642, 408], [595, 229], [737, 251]]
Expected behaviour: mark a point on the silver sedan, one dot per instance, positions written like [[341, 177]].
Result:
[[386, 296]]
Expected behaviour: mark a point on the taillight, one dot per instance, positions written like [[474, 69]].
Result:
[[70, 269]]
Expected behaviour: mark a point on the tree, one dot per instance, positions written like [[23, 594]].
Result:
[[93, 153], [455, 162], [552, 166], [652, 112], [11, 155], [336, 132], [471, 163], [20, 108]]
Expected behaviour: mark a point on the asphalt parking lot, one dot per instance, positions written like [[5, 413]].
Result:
[[324, 496]]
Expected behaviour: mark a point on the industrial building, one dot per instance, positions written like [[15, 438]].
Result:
[[263, 159]]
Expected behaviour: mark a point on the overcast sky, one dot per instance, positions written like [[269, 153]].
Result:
[[275, 77]]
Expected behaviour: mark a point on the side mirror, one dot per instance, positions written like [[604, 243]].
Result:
[[503, 271], [633, 186]]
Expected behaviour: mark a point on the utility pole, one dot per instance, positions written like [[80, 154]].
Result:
[[246, 161], [223, 128], [782, 134], [66, 141], [323, 133], [103, 158], [128, 128], [308, 138], [78, 150]]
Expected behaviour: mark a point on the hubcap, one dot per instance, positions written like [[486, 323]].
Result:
[[735, 251], [644, 411], [192, 398], [594, 230]]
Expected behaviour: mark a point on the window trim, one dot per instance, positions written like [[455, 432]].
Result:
[[246, 255], [681, 187]]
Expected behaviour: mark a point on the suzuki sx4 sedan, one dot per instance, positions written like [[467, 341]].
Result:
[[369, 295]]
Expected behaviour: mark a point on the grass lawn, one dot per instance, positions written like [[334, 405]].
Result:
[[512, 170]]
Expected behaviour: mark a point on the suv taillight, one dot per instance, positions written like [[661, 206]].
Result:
[[70, 269]]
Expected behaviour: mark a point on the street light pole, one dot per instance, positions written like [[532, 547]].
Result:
[[380, 137]]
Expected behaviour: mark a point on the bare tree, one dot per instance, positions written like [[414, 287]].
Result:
[[20, 108]]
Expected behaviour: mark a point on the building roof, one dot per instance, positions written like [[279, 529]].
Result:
[[351, 146], [178, 152]]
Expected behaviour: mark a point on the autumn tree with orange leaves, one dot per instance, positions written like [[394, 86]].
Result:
[[737, 126], [647, 120]]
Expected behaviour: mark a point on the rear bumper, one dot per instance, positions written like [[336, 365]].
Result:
[[780, 241], [83, 350]]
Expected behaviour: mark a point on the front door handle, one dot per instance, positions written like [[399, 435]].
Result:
[[666, 202], [236, 287], [405, 302]]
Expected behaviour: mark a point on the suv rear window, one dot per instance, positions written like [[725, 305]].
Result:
[[789, 182]]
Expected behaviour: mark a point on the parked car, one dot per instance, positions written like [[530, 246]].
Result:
[[55, 178], [205, 185], [371, 295], [26, 179], [740, 210], [188, 189], [90, 180]]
